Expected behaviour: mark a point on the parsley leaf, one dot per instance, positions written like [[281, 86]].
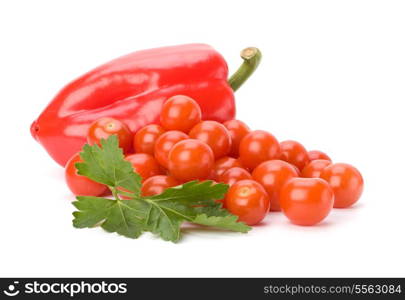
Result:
[[189, 202], [107, 165], [124, 217], [229, 222], [161, 214]]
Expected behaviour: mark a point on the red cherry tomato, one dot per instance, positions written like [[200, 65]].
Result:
[[145, 138], [180, 113], [316, 154], [81, 185], [272, 175], [153, 186], [233, 175], [296, 169], [190, 160], [223, 164], [306, 201], [105, 127], [315, 168], [257, 147], [237, 130], [215, 135], [346, 182], [294, 153], [165, 143], [156, 185], [144, 164], [248, 200]]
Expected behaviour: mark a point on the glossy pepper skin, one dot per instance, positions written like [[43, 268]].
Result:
[[133, 89]]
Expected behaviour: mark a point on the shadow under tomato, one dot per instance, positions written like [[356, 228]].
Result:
[[355, 206], [322, 224]]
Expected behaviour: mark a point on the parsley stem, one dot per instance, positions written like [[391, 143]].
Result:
[[127, 194], [114, 192]]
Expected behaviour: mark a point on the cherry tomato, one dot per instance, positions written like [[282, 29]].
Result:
[[180, 113], [153, 186], [315, 168], [144, 164], [223, 164], [237, 130], [346, 182], [294, 153], [157, 184], [257, 147], [145, 138], [248, 200], [316, 154], [190, 160], [296, 169], [215, 135], [105, 127], [272, 175], [165, 143], [81, 185], [306, 201], [233, 175]]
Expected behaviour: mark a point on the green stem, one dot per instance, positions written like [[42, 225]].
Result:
[[127, 194], [114, 192], [251, 59]]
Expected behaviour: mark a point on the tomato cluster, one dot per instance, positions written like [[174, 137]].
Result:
[[262, 173]]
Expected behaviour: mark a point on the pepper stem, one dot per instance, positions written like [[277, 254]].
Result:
[[251, 59]]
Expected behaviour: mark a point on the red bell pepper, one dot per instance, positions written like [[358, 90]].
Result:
[[133, 88]]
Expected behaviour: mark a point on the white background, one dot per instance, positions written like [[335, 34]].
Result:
[[332, 77]]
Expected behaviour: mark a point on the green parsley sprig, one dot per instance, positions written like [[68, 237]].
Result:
[[161, 214]]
